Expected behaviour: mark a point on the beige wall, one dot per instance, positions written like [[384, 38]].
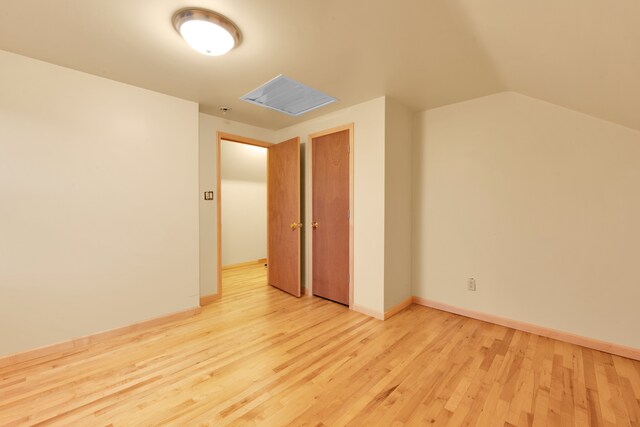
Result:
[[369, 163], [539, 204], [397, 218], [98, 204], [98, 216], [209, 126], [244, 207]]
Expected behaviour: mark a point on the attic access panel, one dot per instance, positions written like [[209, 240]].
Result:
[[288, 96]]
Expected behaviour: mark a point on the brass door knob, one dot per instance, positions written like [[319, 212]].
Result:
[[296, 225], [314, 224]]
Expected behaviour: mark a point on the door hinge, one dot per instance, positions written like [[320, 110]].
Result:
[[348, 213], [349, 148]]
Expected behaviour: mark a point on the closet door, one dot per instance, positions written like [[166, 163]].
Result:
[[331, 216]]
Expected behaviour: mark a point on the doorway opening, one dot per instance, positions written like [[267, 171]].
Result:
[[283, 215], [242, 217]]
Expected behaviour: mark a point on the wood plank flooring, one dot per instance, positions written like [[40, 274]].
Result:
[[262, 357]]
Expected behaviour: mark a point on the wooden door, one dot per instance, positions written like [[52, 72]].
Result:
[[284, 222], [330, 221]]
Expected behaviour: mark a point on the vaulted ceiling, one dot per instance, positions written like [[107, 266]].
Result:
[[581, 54]]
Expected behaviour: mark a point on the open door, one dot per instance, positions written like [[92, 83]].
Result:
[[283, 210]]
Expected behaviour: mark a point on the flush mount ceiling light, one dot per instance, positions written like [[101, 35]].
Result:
[[207, 32]]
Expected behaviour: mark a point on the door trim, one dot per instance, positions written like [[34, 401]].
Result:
[[309, 197], [240, 140]]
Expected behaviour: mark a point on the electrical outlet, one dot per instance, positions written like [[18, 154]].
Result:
[[471, 284]]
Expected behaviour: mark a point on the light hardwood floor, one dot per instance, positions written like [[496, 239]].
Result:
[[262, 357]]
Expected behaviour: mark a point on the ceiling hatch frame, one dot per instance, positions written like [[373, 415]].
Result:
[[288, 96]]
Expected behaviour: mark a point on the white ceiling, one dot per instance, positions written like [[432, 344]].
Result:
[[582, 54]]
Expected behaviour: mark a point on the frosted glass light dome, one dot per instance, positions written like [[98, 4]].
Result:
[[205, 31]]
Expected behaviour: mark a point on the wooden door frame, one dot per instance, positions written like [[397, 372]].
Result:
[[310, 219], [240, 140]]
